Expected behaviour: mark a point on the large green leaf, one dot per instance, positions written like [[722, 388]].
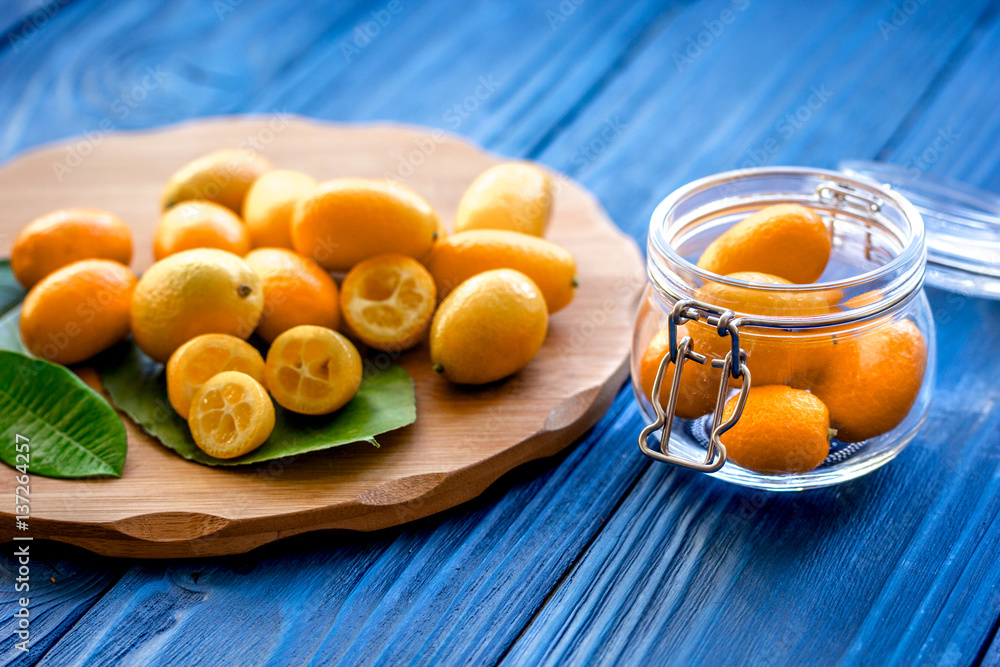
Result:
[[11, 292], [137, 385], [69, 430]]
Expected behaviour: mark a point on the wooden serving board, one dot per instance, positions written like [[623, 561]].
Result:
[[463, 439]]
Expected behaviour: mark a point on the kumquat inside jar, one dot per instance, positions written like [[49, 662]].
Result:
[[784, 341]]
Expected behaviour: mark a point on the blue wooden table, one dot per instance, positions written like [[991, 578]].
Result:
[[597, 556]]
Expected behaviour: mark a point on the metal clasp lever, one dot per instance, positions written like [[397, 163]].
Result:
[[680, 353], [845, 196]]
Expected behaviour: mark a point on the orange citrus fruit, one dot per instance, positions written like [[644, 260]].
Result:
[[194, 292], [782, 430], [463, 255], [199, 224], [222, 177], [872, 381], [773, 357], [200, 359], [759, 300], [439, 235], [346, 221], [78, 311], [231, 415], [65, 236], [516, 196], [388, 301], [786, 240], [699, 382], [269, 205], [489, 327], [312, 370], [296, 291]]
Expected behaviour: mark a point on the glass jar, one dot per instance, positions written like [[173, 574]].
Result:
[[861, 339]]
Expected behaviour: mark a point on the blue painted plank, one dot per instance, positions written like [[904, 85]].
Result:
[[234, 612], [991, 653], [701, 590], [538, 109], [957, 132], [735, 104], [689, 570], [139, 75], [20, 20], [62, 582], [476, 611]]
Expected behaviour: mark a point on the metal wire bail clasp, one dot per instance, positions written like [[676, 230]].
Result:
[[846, 196], [682, 352]]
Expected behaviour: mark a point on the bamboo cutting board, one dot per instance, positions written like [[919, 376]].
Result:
[[463, 439]]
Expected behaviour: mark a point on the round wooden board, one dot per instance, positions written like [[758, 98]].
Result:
[[463, 439]]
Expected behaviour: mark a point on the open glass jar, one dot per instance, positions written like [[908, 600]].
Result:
[[860, 339]]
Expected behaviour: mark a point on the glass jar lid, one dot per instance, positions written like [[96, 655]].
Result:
[[962, 225]]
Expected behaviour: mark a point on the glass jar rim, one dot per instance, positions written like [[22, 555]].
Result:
[[910, 262]]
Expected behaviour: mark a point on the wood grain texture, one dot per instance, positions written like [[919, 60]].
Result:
[[464, 438], [895, 568], [64, 583], [395, 596], [951, 131], [545, 495]]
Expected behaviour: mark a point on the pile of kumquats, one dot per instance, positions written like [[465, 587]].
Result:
[[243, 248]]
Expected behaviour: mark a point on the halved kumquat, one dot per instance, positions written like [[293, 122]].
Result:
[[388, 301], [231, 415], [312, 370], [200, 359]]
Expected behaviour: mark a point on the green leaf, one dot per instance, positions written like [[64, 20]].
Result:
[[137, 385], [10, 332], [11, 292], [71, 431]]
